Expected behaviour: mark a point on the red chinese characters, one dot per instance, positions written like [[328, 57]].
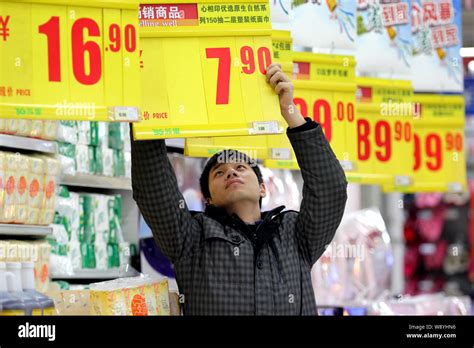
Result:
[[395, 14], [4, 30]]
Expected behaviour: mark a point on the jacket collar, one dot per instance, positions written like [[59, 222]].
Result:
[[221, 215]]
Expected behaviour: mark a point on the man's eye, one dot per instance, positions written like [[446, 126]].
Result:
[[218, 173], [240, 166]]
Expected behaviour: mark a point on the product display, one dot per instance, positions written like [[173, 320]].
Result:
[[29, 190], [87, 233], [356, 267], [388, 83], [140, 296]]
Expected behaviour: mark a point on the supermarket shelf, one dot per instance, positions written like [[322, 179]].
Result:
[[95, 181], [24, 143], [24, 230], [89, 274]]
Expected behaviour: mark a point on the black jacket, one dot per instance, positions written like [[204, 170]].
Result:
[[218, 268]]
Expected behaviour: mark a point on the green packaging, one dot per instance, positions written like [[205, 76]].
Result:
[[119, 163], [113, 255]]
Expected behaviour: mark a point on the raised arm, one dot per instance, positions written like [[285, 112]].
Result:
[[325, 184], [156, 192], [324, 190]]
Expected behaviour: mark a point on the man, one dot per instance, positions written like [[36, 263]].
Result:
[[233, 259]]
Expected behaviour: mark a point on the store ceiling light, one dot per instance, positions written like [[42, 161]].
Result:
[[470, 66], [467, 51]]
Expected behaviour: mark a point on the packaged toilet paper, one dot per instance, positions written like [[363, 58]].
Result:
[[37, 129], [137, 296], [21, 191]]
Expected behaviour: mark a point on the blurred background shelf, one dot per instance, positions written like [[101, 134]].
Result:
[[95, 181], [90, 274], [30, 144], [24, 230]]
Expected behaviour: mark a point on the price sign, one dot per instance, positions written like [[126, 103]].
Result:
[[325, 91], [260, 146], [203, 69], [439, 159], [384, 132], [282, 50], [72, 60]]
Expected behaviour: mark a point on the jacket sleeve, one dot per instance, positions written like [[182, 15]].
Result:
[[162, 205], [324, 189]]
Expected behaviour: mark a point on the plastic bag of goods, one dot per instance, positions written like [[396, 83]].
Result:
[[136, 296], [357, 265]]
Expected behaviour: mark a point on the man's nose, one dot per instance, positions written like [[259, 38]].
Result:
[[231, 172]]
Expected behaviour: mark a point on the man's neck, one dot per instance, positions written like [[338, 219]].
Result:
[[246, 211]]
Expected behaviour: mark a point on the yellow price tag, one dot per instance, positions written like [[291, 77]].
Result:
[[204, 66], [440, 164], [74, 60], [384, 133], [325, 91], [282, 49], [260, 146]]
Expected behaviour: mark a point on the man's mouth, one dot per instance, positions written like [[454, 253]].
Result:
[[233, 181]]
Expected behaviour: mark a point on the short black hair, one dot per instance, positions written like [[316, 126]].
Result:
[[227, 156]]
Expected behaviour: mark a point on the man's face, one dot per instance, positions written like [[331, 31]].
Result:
[[233, 182]]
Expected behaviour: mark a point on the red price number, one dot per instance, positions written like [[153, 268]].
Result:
[[429, 151], [382, 143], [249, 66], [86, 72], [323, 115]]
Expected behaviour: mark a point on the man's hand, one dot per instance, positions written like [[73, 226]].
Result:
[[284, 88]]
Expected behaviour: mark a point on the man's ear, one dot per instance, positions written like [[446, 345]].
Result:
[[208, 201], [263, 190]]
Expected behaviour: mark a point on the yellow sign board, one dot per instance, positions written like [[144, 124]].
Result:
[[282, 50], [438, 146], [259, 146], [325, 91], [384, 133], [203, 70], [69, 60]]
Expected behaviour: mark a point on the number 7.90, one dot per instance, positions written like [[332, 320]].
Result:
[[247, 58]]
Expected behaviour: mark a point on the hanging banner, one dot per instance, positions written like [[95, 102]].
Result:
[[329, 24], [384, 133], [204, 70], [438, 146], [74, 60], [259, 146], [383, 26], [437, 35], [280, 11]]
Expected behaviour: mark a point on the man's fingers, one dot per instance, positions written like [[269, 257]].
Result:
[[273, 65], [272, 72], [283, 86], [277, 77], [272, 69]]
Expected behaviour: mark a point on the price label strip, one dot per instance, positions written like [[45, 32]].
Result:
[[203, 69], [438, 147], [384, 133], [74, 60], [259, 146]]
